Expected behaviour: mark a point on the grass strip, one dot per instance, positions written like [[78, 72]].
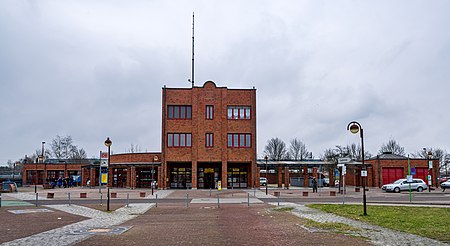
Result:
[[430, 222]]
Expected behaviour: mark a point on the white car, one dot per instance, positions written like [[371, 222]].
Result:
[[263, 181], [402, 184], [446, 184]]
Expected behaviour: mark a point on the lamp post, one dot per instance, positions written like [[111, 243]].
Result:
[[43, 161], [354, 128], [430, 166], [155, 158], [36, 173], [108, 144], [267, 171]]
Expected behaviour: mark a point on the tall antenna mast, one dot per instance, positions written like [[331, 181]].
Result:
[[192, 79]]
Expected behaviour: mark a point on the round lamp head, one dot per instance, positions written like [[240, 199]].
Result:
[[354, 128], [108, 142]]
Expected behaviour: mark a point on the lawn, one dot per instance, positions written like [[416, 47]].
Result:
[[428, 222]]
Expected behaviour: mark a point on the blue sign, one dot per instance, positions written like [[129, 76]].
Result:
[[413, 171]]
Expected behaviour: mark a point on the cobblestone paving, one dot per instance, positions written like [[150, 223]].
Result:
[[260, 194], [66, 236], [377, 235], [25, 196], [161, 194]]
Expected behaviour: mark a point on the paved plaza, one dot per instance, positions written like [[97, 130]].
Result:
[[197, 217]]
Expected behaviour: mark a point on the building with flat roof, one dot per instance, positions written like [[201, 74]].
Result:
[[208, 135]]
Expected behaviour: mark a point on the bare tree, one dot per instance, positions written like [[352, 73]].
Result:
[[437, 153], [62, 147], [275, 149], [392, 146], [134, 149], [297, 150]]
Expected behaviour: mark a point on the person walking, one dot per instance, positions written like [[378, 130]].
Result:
[[314, 183]]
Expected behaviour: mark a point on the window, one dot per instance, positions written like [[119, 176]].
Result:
[[209, 140], [179, 112], [209, 112], [239, 140], [179, 140], [239, 112]]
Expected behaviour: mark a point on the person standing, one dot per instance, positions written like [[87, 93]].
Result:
[[314, 183]]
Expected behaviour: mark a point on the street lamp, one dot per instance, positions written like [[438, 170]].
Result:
[[267, 171], [430, 166], [43, 161], [108, 144], [155, 158], [354, 128]]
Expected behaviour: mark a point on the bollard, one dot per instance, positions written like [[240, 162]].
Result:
[[128, 200], [156, 199], [248, 199], [69, 198], [187, 200], [101, 199], [37, 199], [218, 201]]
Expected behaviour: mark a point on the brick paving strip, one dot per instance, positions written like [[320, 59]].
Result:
[[376, 234], [70, 234]]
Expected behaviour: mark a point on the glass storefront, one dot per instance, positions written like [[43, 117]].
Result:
[[119, 177], [180, 177], [144, 178], [208, 177], [237, 177]]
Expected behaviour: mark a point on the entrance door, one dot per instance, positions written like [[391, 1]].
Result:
[[208, 177], [209, 181]]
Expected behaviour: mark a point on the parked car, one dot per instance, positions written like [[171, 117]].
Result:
[[443, 179], [262, 181], [445, 185], [402, 184]]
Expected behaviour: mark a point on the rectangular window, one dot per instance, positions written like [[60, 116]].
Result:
[[239, 112], [179, 112], [209, 112], [239, 140], [179, 140], [209, 140], [182, 140]]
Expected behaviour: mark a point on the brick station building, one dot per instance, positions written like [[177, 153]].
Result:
[[208, 135], [387, 168]]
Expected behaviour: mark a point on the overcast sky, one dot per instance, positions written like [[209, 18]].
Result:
[[93, 69]]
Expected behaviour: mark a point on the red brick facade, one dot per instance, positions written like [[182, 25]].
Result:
[[381, 165], [182, 165]]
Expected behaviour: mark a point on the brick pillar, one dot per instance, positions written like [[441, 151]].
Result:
[[258, 175], [305, 177], [286, 178], [131, 177], [331, 175], [91, 176], [280, 176], [159, 174], [224, 175], [194, 175]]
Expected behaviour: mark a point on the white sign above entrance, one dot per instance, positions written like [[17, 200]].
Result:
[[344, 160]]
